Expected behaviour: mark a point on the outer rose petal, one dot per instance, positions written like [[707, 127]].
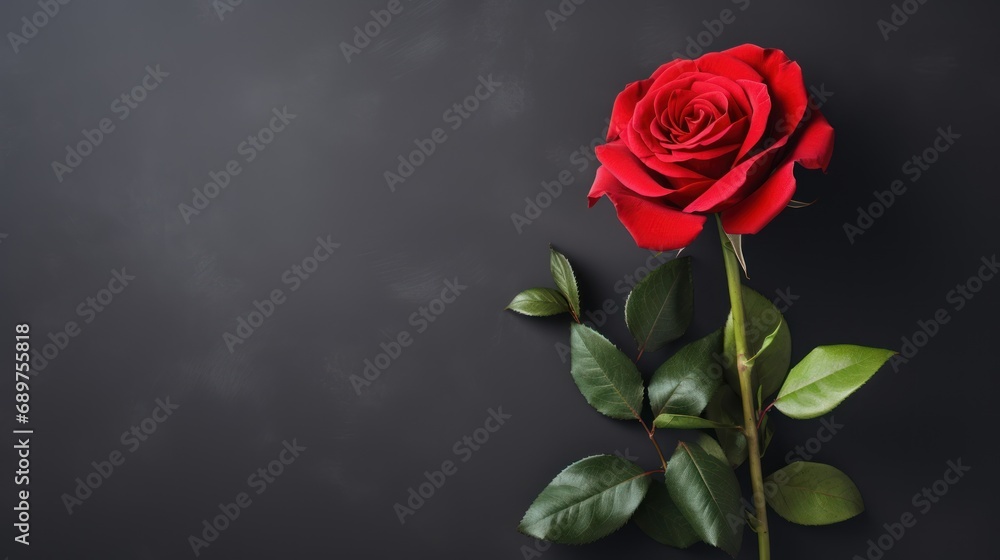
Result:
[[813, 150], [728, 64], [641, 175], [673, 68], [653, 226], [782, 76], [624, 107], [627, 168]]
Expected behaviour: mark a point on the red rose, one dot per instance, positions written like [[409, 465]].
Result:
[[720, 134]]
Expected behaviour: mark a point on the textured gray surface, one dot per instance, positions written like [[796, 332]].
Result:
[[322, 176]]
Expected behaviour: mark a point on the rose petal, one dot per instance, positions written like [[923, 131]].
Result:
[[689, 118], [678, 175], [682, 197], [698, 152], [624, 107], [813, 150], [749, 173], [729, 64], [783, 78], [675, 175], [672, 69], [760, 101], [628, 169], [653, 226], [667, 102], [742, 178], [736, 93]]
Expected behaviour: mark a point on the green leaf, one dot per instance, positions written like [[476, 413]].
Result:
[[827, 376], [813, 494], [590, 499], [769, 342], [682, 422], [659, 517], [707, 493], [606, 377], [713, 448], [685, 383], [562, 273], [539, 302], [660, 307], [726, 408]]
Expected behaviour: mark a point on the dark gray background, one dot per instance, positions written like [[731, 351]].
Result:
[[323, 176]]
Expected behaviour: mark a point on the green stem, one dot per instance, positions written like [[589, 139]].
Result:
[[746, 392]]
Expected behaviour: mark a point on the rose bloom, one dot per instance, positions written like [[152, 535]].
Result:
[[719, 134]]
